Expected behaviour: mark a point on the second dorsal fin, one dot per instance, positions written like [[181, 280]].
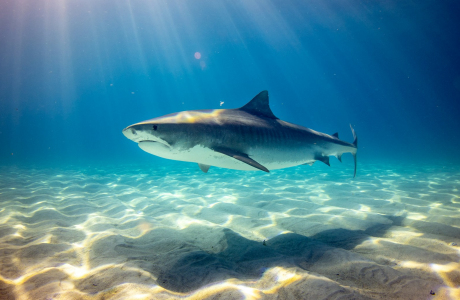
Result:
[[259, 106]]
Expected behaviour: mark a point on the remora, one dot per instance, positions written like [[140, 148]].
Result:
[[247, 138]]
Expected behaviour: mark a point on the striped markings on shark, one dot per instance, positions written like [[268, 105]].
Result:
[[247, 138]]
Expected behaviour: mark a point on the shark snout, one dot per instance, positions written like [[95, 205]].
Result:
[[130, 132], [138, 133]]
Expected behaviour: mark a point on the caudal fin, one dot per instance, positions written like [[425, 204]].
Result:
[[355, 142]]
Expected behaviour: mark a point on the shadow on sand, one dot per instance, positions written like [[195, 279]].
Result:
[[181, 266]]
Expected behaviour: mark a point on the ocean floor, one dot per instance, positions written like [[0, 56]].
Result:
[[173, 232]]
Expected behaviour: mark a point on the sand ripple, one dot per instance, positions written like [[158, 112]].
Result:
[[134, 232]]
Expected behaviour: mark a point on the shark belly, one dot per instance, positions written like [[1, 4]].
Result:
[[196, 154], [271, 158]]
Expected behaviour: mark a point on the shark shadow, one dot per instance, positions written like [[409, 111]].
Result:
[[180, 266]]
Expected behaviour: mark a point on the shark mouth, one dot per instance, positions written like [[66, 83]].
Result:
[[159, 142]]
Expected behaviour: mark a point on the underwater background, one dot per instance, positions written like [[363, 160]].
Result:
[[86, 214]]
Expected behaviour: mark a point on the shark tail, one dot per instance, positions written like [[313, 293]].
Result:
[[355, 142]]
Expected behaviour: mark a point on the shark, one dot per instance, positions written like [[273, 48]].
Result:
[[249, 138]]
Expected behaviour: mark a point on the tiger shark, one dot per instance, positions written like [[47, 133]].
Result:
[[247, 138]]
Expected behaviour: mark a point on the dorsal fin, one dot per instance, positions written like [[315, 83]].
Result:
[[259, 106], [336, 135]]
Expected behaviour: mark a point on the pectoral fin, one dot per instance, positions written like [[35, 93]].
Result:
[[243, 157], [324, 159], [204, 167]]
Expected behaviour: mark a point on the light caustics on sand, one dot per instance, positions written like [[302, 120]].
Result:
[[139, 234]]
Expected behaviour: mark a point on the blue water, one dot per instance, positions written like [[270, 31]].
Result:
[[73, 74], [84, 212]]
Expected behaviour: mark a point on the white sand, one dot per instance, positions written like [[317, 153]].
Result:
[[176, 233]]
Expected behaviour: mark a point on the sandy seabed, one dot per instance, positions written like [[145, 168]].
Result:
[[173, 232]]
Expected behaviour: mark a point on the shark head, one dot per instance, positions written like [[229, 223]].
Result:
[[168, 135], [158, 136], [151, 137]]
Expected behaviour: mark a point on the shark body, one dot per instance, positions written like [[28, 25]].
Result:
[[248, 138]]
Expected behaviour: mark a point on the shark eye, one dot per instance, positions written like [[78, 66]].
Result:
[[155, 127]]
